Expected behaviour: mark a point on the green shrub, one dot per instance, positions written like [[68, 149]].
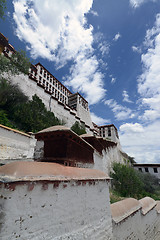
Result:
[[126, 181], [78, 128], [33, 116]]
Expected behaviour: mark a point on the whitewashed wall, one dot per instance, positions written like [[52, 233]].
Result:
[[30, 87], [134, 224], [15, 145], [65, 210], [150, 169], [109, 156]]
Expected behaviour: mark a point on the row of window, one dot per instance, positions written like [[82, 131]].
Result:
[[52, 81], [103, 132], [146, 169], [55, 93], [83, 103]]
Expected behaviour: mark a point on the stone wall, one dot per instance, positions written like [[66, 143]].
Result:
[[15, 145], [55, 209], [133, 219]]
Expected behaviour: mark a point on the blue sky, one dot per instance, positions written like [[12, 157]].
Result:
[[108, 50]]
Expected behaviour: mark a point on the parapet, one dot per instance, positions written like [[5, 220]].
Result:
[[123, 209], [40, 171], [147, 204], [99, 143], [158, 206]]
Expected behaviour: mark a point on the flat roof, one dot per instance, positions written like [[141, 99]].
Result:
[[109, 125], [146, 164], [38, 171]]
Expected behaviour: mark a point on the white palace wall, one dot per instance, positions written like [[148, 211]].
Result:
[[30, 87]]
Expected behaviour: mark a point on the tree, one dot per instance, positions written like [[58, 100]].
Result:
[[21, 61], [17, 64], [10, 96], [151, 183], [4, 119], [126, 181], [33, 116], [78, 128], [2, 8]]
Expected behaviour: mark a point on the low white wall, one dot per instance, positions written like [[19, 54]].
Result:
[[55, 210], [15, 145], [135, 224]]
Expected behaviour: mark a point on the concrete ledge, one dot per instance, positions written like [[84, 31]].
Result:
[[38, 171], [123, 209], [147, 204], [14, 130], [158, 206]]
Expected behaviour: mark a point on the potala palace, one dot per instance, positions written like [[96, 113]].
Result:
[[54, 185]]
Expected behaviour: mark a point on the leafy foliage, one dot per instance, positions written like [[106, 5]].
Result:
[[126, 180], [21, 61], [10, 96], [151, 183], [33, 116], [2, 8], [78, 128], [4, 119], [19, 112], [17, 64]]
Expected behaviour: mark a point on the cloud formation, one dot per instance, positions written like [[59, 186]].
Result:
[[120, 112], [116, 37], [138, 3], [149, 81], [126, 97], [58, 31], [141, 142], [98, 120]]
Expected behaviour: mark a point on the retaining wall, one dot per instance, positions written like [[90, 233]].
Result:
[[55, 209], [15, 145], [133, 219], [69, 116]]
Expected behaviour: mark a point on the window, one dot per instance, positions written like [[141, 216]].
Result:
[[140, 169], [109, 132], [146, 169], [155, 170]]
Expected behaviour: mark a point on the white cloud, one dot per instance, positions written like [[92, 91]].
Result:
[[94, 13], [116, 37], [136, 49], [99, 120], [138, 3], [126, 97], [149, 81], [113, 80], [87, 79], [141, 142], [120, 112], [104, 48], [58, 31]]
